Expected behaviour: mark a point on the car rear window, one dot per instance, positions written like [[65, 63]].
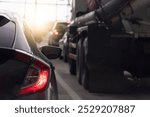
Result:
[[7, 32]]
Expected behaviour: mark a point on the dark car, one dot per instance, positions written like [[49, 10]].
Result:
[[57, 32], [25, 71]]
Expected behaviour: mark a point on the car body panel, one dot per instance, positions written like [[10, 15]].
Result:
[[12, 69]]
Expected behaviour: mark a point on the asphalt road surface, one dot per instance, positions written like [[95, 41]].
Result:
[[69, 89]]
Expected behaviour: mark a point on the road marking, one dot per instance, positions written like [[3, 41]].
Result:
[[67, 88]]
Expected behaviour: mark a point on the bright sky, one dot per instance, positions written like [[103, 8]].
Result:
[[46, 10]]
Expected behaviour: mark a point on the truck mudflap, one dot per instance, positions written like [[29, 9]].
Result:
[[104, 62], [108, 56], [108, 79]]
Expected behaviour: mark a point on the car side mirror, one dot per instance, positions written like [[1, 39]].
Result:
[[51, 52]]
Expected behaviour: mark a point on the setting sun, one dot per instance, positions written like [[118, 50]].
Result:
[[38, 12], [41, 19]]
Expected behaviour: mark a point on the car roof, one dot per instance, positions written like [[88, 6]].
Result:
[[20, 41], [9, 15]]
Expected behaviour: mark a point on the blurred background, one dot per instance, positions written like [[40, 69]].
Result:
[[40, 14]]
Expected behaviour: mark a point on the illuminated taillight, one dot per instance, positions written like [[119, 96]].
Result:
[[37, 78], [55, 32], [37, 75]]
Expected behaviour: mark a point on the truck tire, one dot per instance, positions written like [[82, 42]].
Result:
[[65, 56], [65, 59], [72, 62], [85, 76], [72, 66], [79, 62], [84, 73]]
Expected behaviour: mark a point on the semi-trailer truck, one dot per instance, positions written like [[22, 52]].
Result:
[[109, 44]]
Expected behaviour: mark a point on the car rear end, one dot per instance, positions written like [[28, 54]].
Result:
[[57, 33], [22, 75]]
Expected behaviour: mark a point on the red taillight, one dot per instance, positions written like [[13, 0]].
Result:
[[55, 32], [41, 78], [37, 76]]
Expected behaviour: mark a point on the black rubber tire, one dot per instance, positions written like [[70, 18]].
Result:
[[65, 56], [72, 63], [79, 61], [72, 66], [85, 77], [53, 87], [84, 67]]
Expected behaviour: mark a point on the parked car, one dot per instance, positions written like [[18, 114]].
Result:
[[57, 32], [25, 71], [63, 44]]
